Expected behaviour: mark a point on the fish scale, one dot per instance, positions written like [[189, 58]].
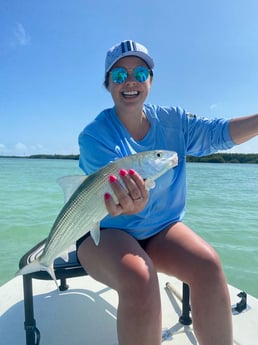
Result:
[[85, 207]]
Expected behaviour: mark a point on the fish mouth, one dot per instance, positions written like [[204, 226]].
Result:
[[174, 160]]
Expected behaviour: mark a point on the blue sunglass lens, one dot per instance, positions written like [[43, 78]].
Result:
[[140, 73], [119, 75]]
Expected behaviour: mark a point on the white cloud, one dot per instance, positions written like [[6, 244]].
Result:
[[21, 148], [36, 148], [22, 38], [3, 149]]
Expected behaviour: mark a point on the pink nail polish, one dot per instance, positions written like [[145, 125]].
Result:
[[107, 196], [112, 178], [123, 172], [131, 171]]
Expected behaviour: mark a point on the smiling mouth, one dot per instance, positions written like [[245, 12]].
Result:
[[130, 93]]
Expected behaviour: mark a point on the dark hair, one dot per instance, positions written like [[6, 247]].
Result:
[[106, 80]]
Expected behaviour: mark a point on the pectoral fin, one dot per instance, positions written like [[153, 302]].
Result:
[[95, 233], [149, 184], [65, 256]]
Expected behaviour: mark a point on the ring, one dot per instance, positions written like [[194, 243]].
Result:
[[140, 197]]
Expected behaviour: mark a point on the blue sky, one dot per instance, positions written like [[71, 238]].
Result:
[[52, 63]]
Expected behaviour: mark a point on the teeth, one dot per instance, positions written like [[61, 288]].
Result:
[[130, 93]]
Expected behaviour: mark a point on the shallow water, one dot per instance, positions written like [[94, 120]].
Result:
[[222, 208]]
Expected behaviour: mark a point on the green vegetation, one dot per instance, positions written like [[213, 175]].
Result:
[[250, 158], [45, 156], [76, 157]]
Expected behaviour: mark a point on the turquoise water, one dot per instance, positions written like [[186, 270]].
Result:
[[222, 208]]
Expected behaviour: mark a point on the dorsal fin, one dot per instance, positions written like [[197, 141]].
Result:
[[69, 184]]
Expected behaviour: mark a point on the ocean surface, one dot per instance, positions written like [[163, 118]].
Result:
[[222, 207]]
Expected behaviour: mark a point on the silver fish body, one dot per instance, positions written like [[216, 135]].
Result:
[[85, 206]]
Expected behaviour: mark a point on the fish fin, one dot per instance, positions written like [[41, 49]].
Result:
[[95, 233], [149, 184], [65, 256], [36, 266], [51, 272], [69, 184]]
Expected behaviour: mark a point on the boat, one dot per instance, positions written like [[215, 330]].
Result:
[[85, 313]]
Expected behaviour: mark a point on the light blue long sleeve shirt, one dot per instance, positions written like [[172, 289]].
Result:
[[171, 128]]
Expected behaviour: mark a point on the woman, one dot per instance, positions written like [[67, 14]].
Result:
[[144, 234]]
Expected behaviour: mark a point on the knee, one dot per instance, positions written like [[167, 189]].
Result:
[[208, 267], [139, 284]]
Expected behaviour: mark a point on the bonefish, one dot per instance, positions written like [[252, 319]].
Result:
[[85, 207]]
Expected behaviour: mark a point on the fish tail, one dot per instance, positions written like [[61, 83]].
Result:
[[36, 266]]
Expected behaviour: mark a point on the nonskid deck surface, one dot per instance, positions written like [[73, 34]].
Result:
[[86, 314]]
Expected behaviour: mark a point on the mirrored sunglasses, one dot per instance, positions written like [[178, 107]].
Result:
[[120, 74]]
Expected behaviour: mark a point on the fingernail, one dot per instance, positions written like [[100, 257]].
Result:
[[131, 171], [112, 178], [123, 172], [107, 196]]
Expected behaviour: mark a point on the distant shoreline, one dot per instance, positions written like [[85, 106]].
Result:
[[45, 156], [245, 158]]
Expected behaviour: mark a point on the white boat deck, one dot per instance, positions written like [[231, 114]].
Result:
[[86, 314]]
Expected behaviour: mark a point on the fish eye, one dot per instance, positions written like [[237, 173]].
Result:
[[159, 154]]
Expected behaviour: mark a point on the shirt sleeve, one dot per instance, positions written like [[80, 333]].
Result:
[[204, 136], [94, 154]]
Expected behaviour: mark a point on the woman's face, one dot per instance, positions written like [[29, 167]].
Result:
[[130, 93]]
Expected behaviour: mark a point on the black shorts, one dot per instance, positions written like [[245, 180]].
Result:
[[80, 240]]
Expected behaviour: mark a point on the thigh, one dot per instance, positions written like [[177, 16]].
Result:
[[180, 252], [117, 260]]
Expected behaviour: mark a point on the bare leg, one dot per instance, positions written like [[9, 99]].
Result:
[[180, 252], [121, 263]]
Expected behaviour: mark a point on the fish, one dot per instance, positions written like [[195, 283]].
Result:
[[84, 206]]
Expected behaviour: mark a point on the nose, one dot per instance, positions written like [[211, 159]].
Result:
[[130, 79]]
